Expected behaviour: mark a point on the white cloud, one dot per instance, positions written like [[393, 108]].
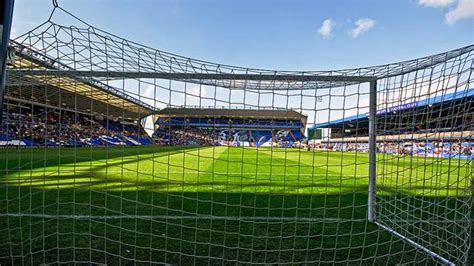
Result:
[[464, 9], [326, 28], [362, 25], [435, 3]]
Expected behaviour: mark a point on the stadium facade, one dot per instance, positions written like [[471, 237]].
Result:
[[229, 127], [425, 127]]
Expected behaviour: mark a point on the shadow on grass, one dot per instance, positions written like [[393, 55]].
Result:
[[146, 226], [29, 159]]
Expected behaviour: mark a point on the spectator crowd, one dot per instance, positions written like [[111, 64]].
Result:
[[464, 149], [54, 127], [190, 136]]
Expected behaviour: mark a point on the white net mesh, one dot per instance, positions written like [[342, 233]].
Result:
[[114, 152], [426, 197]]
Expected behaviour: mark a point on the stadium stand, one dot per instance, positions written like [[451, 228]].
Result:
[[442, 136], [229, 127], [72, 112]]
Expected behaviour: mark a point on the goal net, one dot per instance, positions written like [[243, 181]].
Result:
[[114, 152]]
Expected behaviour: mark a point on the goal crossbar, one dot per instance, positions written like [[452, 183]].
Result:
[[192, 76]]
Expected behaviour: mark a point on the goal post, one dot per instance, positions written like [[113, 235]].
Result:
[[372, 150], [372, 212]]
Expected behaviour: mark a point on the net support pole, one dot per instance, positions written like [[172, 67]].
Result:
[[372, 149], [6, 15]]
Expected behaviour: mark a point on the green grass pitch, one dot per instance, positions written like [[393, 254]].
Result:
[[269, 205]]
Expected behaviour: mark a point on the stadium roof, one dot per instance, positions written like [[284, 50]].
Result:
[[411, 105], [83, 93], [272, 113]]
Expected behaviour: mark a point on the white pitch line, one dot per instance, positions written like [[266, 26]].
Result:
[[171, 217], [207, 217]]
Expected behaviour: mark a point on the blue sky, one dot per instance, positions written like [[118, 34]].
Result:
[[288, 35]]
